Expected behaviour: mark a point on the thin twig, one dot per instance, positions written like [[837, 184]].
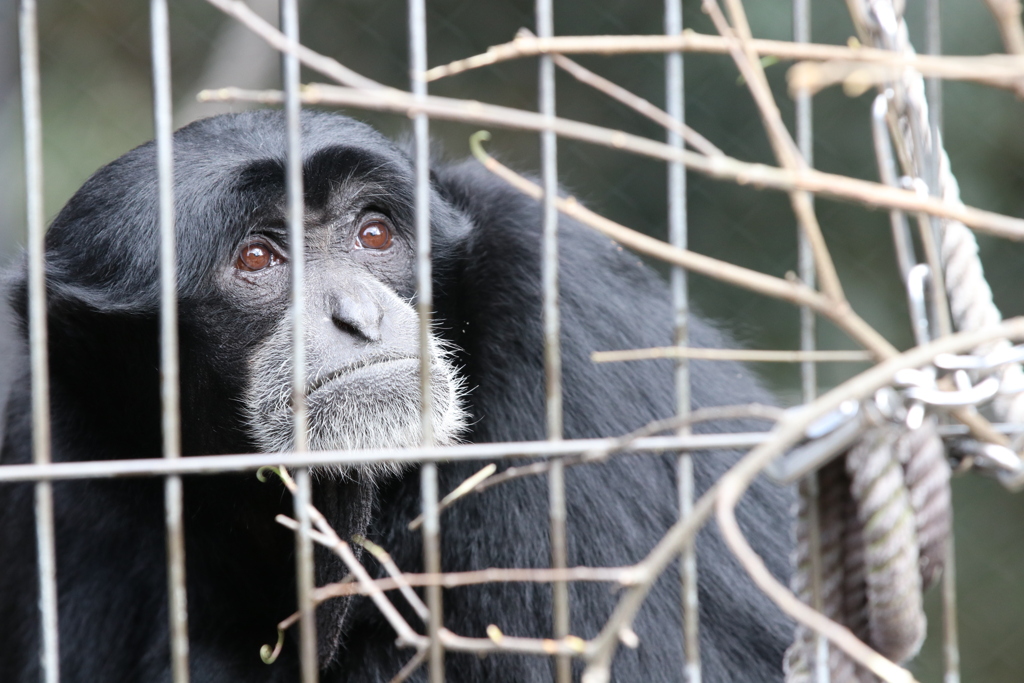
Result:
[[325, 535], [999, 70], [293, 524], [786, 151], [279, 41], [365, 585], [411, 666], [462, 489], [859, 77], [602, 648], [838, 312], [722, 167], [405, 632], [1007, 14], [487, 478], [1008, 17], [634, 102], [384, 557], [748, 355], [623, 576], [572, 646]]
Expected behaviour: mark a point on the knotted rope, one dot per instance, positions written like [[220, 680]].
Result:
[[884, 519], [880, 23], [884, 508]]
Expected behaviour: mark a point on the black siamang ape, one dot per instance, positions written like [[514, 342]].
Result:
[[102, 281]]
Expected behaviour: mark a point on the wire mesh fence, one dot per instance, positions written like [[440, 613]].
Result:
[[914, 125]]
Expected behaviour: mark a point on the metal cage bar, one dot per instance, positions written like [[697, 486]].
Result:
[[49, 654], [544, 11], [808, 342], [675, 105], [170, 403], [933, 90], [424, 306], [213, 464], [172, 466], [297, 245]]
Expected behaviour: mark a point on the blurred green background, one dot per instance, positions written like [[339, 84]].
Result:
[[96, 106]]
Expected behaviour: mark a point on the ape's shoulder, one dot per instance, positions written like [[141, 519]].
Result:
[[610, 298]]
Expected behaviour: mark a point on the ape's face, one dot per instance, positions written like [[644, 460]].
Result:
[[362, 333], [234, 273]]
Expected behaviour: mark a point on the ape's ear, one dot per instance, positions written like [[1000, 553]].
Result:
[[63, 300]]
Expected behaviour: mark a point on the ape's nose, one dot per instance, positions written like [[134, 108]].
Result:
[[358, 315]]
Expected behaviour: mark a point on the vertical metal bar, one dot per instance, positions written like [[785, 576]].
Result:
[[424, 307], [552, 344], [931, 158], [432, 565], [805, 143], [675, 105], [304, 569], [49, 654], [169, 372], [933, 85], [808, 342], [950, 630], [297, 252]]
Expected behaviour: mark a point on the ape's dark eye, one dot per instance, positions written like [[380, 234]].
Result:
[[257, 254], [374, 235]]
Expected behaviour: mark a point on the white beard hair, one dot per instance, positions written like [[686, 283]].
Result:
[[338, 420]]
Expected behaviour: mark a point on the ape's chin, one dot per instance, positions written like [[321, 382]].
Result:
[[374, 406]]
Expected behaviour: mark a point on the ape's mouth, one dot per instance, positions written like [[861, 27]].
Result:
[[378, 363]]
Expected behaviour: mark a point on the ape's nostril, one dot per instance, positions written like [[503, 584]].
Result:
[[352, 328]]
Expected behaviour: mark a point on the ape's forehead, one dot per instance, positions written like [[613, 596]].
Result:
[[232, 139], [229, 175], [244, 157]]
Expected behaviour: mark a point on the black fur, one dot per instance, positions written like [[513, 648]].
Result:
[[103, 302]]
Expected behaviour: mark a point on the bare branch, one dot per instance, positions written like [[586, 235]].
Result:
[[384, 557], [1007, 14], [634, 102], [572, 646], [838, 312], [785, 148], [858, 77], [486, 477], [722, 167], [279, 41], [747, 411], [462, 489], [623, 576], [411, 666], [325, 535], [748, 355], [999, 70]]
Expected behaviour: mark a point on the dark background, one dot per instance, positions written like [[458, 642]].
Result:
[[96, 106]]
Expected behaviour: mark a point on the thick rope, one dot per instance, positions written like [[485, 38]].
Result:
[[927, 473], [881, 23], [884, 519], [896, 622], [890, 516], [839, 603]]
